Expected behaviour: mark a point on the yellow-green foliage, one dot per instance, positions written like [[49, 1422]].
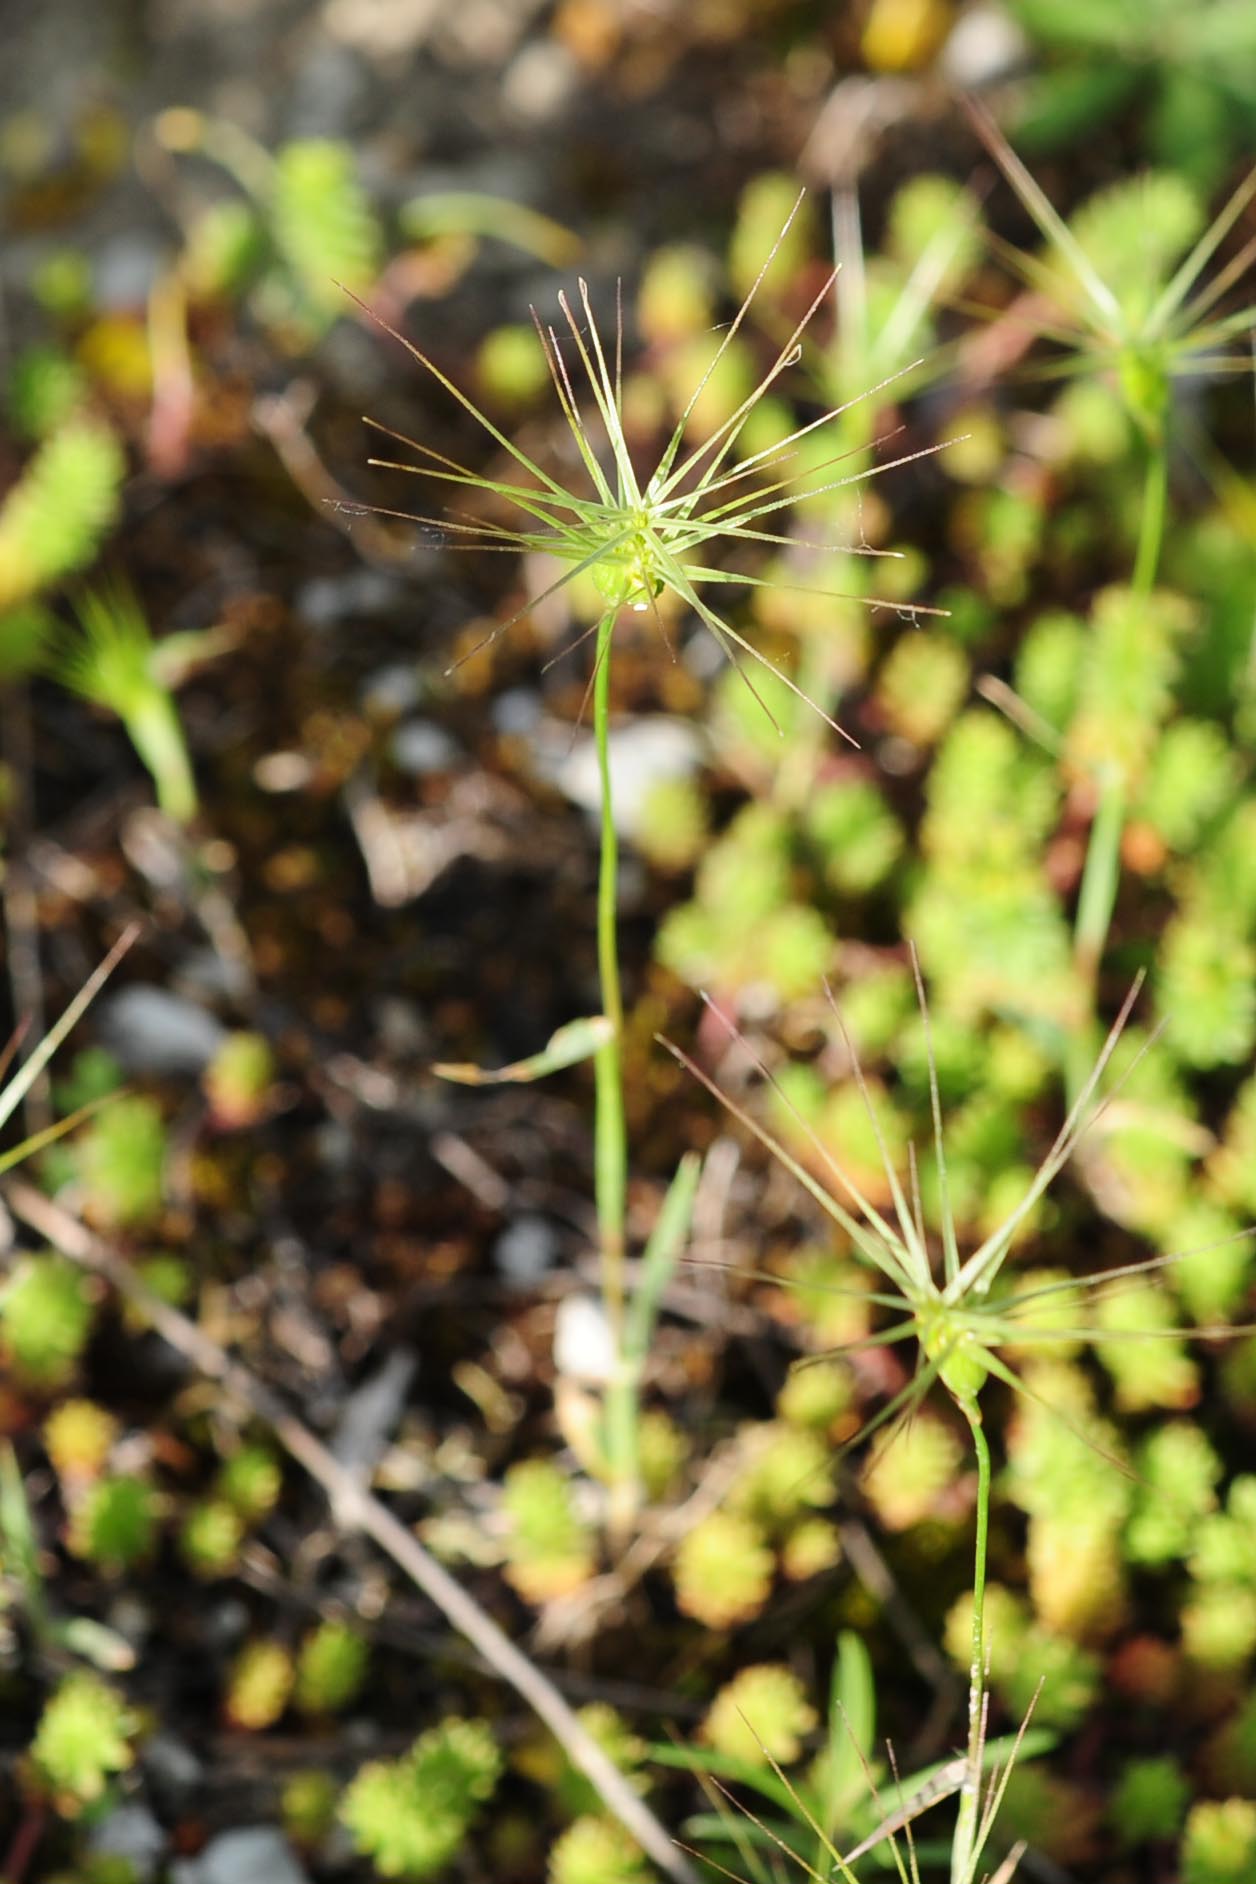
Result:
[[1075, 1575], [1150, 1800], [549, 1549], [1219, 1846], [78, 1436], [410, 1816], [259, 1685], [1219, 1626], [46, 1309], [211, 1536], [250, 1481], [810, 1546], [114, 1523], [84, 1737], [121, 1159], [1150, 1368], [307, 1806], [53, 520], [596, 1850], [761, 1715], [921, 686], [722, 1570], [662, 1450], [987, 923], [239, 1079], [1177, 1477], [911, 1470], [817, 1394], [787, 1470], [323, 227], [331, 1667]]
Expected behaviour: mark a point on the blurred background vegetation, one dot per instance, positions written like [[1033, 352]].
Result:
[[227, 710]]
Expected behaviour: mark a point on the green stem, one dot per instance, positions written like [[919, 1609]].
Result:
[[1101, 873], [610, 1129], [1151, 523], [611, 1148], [965, 1852]]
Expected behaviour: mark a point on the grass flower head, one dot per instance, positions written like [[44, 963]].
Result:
[[964, 1325], [641, 535]]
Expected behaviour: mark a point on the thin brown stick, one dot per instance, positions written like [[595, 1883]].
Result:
[[355, 1506]]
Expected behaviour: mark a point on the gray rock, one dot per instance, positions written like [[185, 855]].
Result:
[[526, 1250], [256, 1854], [391, 691], [983, 47], [516, 711], [130, 1832], [421, 746], [326, 601], [124, 270], [151, 1031]]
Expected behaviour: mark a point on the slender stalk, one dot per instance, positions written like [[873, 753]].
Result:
[[610, 1138], [610, 1129], [964, 1854], [1151, 522], [1101, 872]]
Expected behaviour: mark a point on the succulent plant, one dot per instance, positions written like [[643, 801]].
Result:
[[1219, 1626], [722, 1570], [817, 1394], [53, 520], [331, 1667], [786, 1470], [1177, 1478], [761, 1715], [810, 1546], [595, 1850], [114, 1523], [239, 1080], [307, 1806], [549, 1549], [1150, 1800], [121, 1162], [1219, 1843], [411, 1816], [259, 1685], [911, 1469], [46, 1313], [250, 1482], [211, 1536], [84, 1737], [78, 1437]]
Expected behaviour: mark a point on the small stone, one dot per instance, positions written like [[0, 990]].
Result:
[[540, 81], [255, 1854], [130, 1832], [584, 1348], [516, 711], [421, 746], [151, 1031], [326, 601], [390, 691], [983, 47], [526, 1250]]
